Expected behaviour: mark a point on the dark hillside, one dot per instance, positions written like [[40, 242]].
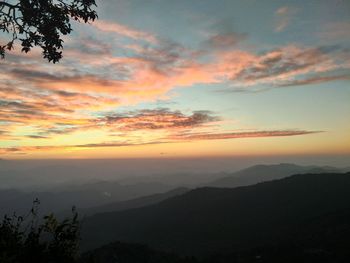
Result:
[[262, 173], [207, 220]]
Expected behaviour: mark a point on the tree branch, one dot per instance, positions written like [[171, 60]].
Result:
[[2, 3]]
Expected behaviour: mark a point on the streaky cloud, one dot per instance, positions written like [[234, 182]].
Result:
[[238, 135], [315, 80], [180, 137]]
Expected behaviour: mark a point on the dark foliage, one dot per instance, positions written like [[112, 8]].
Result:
[[29, 239], [301, 251], [42, 23], [131, 253]]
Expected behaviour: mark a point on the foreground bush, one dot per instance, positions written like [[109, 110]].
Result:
[[41, 240]]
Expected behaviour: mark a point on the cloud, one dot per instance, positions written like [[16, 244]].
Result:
[[146, 76], [112, 27], [165, 57], [44, 119], [36, 112], [158, 119], [150, 72], [28, 149], [160, 125], [83, 92], [314, 80], [283, 16], [237, 135], [170, 139], [31, 87], [4, 133], [68, 101], [37, 136], [224, 41], [91, 46], [287, 63]]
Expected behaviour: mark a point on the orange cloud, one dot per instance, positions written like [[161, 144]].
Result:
[[72, 96], [170, 139]]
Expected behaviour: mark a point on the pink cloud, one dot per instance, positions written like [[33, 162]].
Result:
[[112, 27], [94, 80], [284, 15]]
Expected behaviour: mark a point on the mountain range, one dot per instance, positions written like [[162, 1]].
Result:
[[104, 196], [132, 203], [81, 196], [261, 173], [207, 220]]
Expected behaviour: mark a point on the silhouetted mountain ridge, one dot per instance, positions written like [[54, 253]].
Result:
[[133, 203], [208, 220], [82, 196], [262, 173]]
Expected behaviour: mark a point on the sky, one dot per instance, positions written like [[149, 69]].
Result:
[[198, 78]]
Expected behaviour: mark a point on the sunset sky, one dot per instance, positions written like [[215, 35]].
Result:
[[185, 78]]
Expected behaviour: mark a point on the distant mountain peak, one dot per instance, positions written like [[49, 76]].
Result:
[[267, 172], [207, 220]]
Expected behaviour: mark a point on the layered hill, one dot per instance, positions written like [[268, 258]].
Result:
[[82, 196], [208, 220], [262, 173], [133, 203]]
